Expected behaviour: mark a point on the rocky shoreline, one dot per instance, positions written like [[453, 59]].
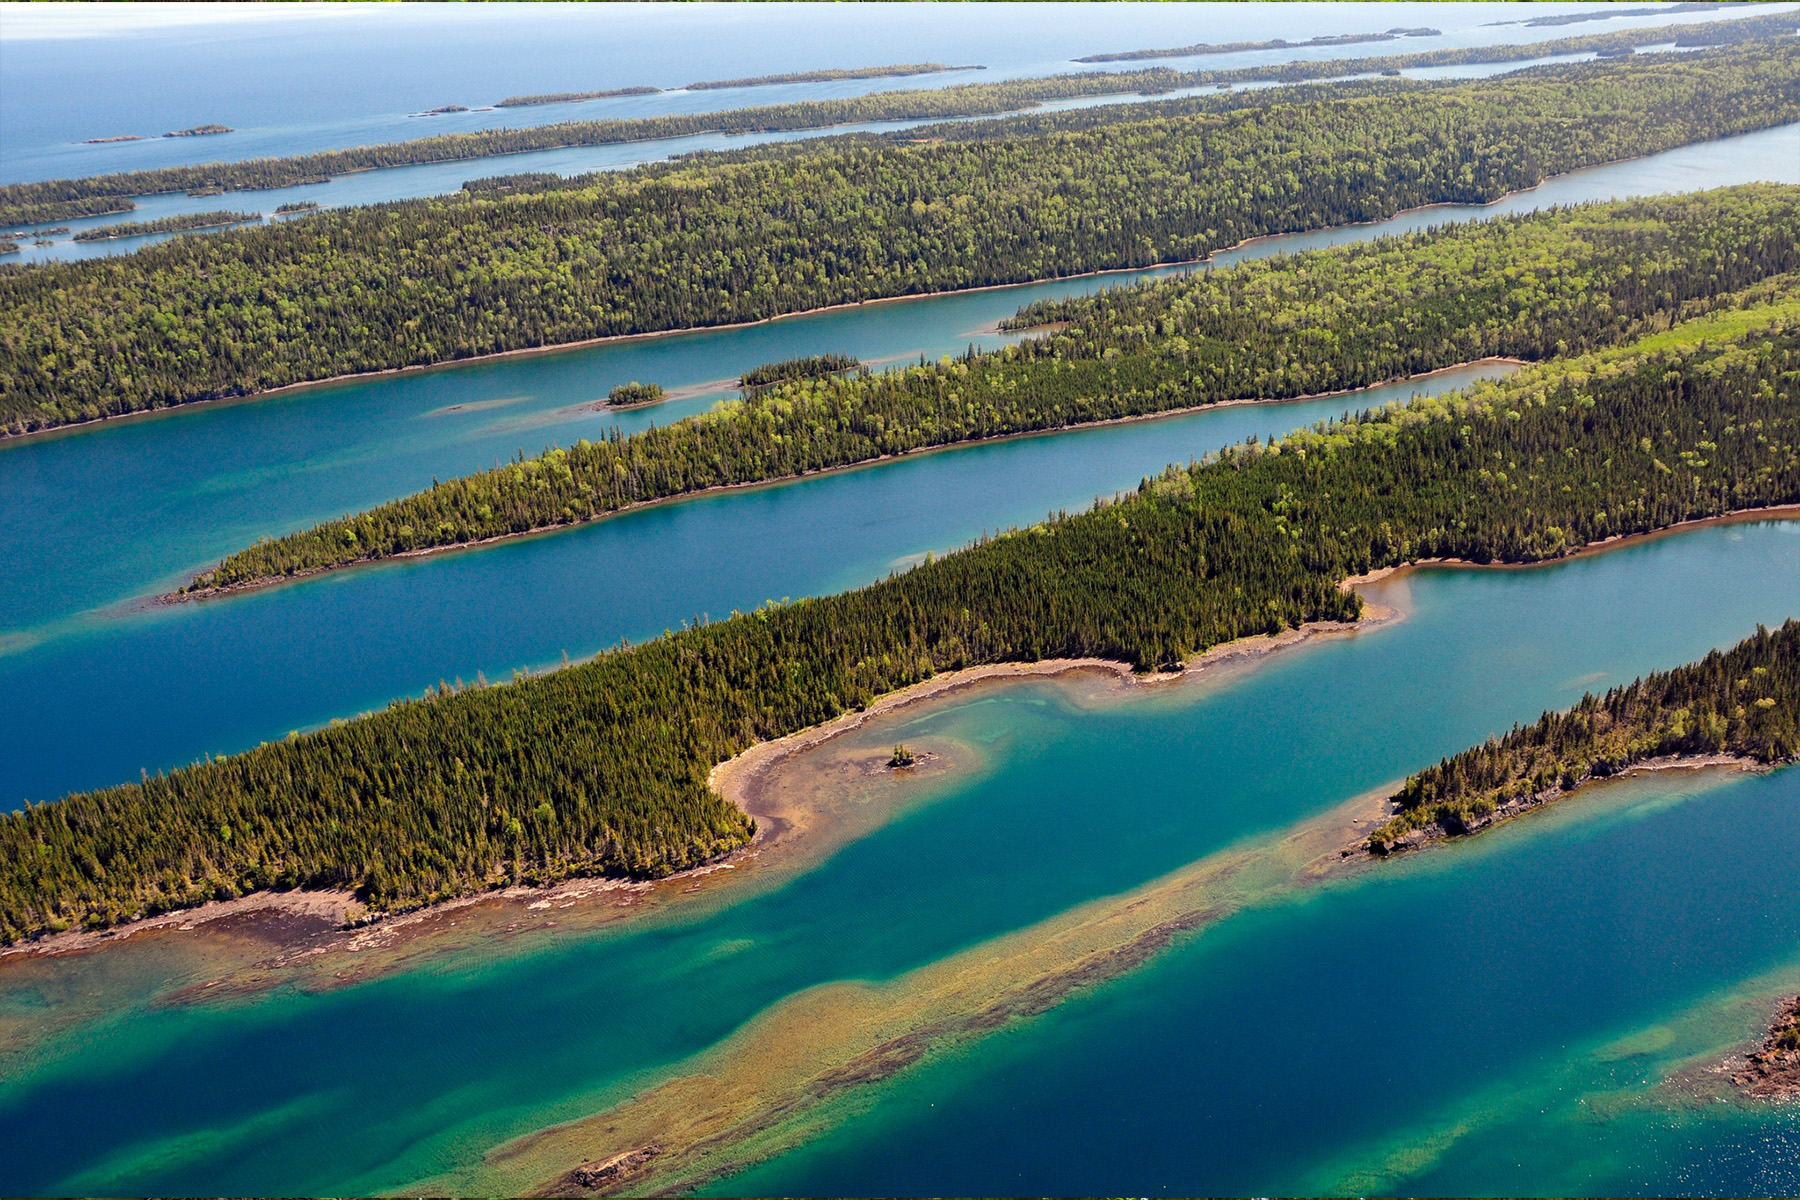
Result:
[[1460, 826], [1773, 1072]]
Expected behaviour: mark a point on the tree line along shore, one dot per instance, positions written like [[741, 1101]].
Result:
[[1204, 48], [1742, 703], [60, 199], [178, 223], [602, 767], [746, 236], [1530, 287]]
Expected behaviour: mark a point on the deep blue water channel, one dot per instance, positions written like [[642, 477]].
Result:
[[95, 521]]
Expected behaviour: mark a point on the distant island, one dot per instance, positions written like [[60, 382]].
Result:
[[8, 246], [828, 76], [572, 97], [61, 199], [1199, 48], [123, 137], [200, 131], [296, 206], [179, 223], [822, 76], [441, 110], [1609, 13]]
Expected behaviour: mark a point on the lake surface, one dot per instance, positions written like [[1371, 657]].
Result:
[[1291, 1043], [257, 76], [308, 79], [94, 521]]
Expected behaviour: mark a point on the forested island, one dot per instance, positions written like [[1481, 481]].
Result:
[[1742, 704], [830, 75], [175, 224], [201, 131], [603, 767], [1324, 321], [784, 229], [815, 366], [1204, 48], [60, 199], [821, 76], [1613, 12], [635, 395], [296, 206], [8, 246], [572, 97]]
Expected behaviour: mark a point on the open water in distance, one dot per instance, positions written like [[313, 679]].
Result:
[[1279, 1045], [92, 520], [436, 179], [297, 80]]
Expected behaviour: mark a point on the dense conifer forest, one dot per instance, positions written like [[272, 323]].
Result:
[[1526, 287], [59, 199], [812, 366], [1743, 702], [749, 236], [603, 767]]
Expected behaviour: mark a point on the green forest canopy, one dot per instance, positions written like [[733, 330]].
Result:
[[1530, 287], [60, 199], [737, 238], [1743, 702], [603, 767]]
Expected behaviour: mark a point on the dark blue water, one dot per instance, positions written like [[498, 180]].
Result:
[[93, 521], [172, 683]]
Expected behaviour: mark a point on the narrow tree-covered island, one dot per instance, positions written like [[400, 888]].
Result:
[[1325, 321], [602, 768], [179, 223], [1742, 704]]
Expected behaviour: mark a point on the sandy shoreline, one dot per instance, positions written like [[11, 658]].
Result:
[[336, 920], [251, 585], [742, 779]]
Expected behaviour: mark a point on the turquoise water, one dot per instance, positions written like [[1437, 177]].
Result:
[[1453, 1006], [94, 521], [1415, 990]]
